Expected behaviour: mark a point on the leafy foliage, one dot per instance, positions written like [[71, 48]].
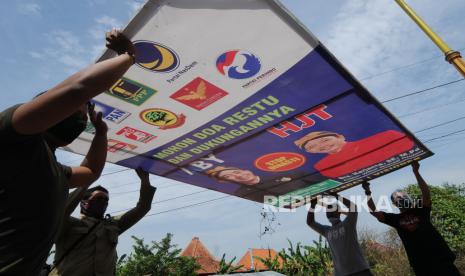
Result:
[[160, 258], [385, 254], [226, 267], [302, 260]]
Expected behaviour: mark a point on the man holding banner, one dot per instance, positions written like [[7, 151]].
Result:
[[342, 238], [33, 185], [427, 251]]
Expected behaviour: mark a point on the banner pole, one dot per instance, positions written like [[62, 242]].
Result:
[[453, 57]]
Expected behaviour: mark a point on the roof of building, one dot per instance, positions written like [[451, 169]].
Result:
[[198, 251], [257, 265]]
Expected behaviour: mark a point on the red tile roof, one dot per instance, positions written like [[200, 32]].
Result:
[[198, 251], [257, 265]]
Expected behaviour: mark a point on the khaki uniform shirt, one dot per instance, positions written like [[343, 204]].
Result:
[[96, 253]]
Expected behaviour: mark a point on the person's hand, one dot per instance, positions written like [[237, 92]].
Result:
[[313, 202], [366, 187], [415, 166], [101, 127], [119, 43], [144, 176]]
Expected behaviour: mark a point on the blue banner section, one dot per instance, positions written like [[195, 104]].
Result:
[[307, 132], [310, 82], [330, 147]]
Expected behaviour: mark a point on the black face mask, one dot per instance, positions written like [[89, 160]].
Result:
[[404, 202], [94, 208], [69, 129]]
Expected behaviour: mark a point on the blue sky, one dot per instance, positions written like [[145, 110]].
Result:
[[45, 41]]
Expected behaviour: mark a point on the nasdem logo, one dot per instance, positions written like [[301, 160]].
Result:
[[155, 57], [238, 64]]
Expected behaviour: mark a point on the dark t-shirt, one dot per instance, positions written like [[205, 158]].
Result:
[[423, 243], [33, 192]]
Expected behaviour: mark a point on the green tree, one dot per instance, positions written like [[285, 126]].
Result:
[[385, 253], [302, 260], [226, 267], [159, 258]]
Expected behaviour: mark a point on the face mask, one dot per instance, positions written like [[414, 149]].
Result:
[[334, 221], [404, 202], [69, 129], [94, 208]]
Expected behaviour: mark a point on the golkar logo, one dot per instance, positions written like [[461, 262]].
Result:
[[199, 94], [136, 135], [162, 118], [115, 146], [155, 57], [238, 64], [110, 113], [131, 91]]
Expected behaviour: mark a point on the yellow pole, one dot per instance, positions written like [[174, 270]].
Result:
[[453, 57]]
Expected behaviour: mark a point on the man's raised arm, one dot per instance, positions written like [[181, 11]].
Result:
[[128, 219], [425, 192], [371, 205], [63, 100], [94, 162]]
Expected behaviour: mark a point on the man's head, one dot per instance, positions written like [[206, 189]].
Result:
[[95, 202], [333, 214], [66, 131], [233, 174], [321, 142], [401, 200]]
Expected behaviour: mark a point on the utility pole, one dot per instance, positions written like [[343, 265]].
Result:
[[453, 57]]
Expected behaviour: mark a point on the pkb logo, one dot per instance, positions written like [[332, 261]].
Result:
[[238, 64], [155, 57]]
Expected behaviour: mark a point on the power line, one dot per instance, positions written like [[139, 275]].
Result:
[[165, 200], [441, 124], [422, 91], [188, 206], [431, 108], [443, 136]]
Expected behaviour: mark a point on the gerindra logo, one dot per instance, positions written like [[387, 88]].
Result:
[[238, 64], [155, 57]]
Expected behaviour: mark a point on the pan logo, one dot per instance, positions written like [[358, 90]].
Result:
[[155, 57], [238, 64]]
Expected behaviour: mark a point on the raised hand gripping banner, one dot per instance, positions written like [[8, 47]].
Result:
[[238, 97]]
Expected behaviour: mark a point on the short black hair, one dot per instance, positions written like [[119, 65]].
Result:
[[89, 192]]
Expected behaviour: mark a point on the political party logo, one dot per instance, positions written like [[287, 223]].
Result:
[[280, 161], [199, 94], [115, 146], [131, 91], [238, 64], [162, 118], [110, 113], [155, 57], [136, 135]]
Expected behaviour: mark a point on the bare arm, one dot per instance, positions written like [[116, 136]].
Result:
[[94, 162], [311, 219], [128, 219], [425, 192], [371, 204], [67, 97]]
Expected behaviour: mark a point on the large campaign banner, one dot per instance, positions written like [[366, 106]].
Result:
[[238, 97]]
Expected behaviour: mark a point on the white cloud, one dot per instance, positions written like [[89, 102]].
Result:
[[36, 55], [29, 8], [103, 24], [135, 6]]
